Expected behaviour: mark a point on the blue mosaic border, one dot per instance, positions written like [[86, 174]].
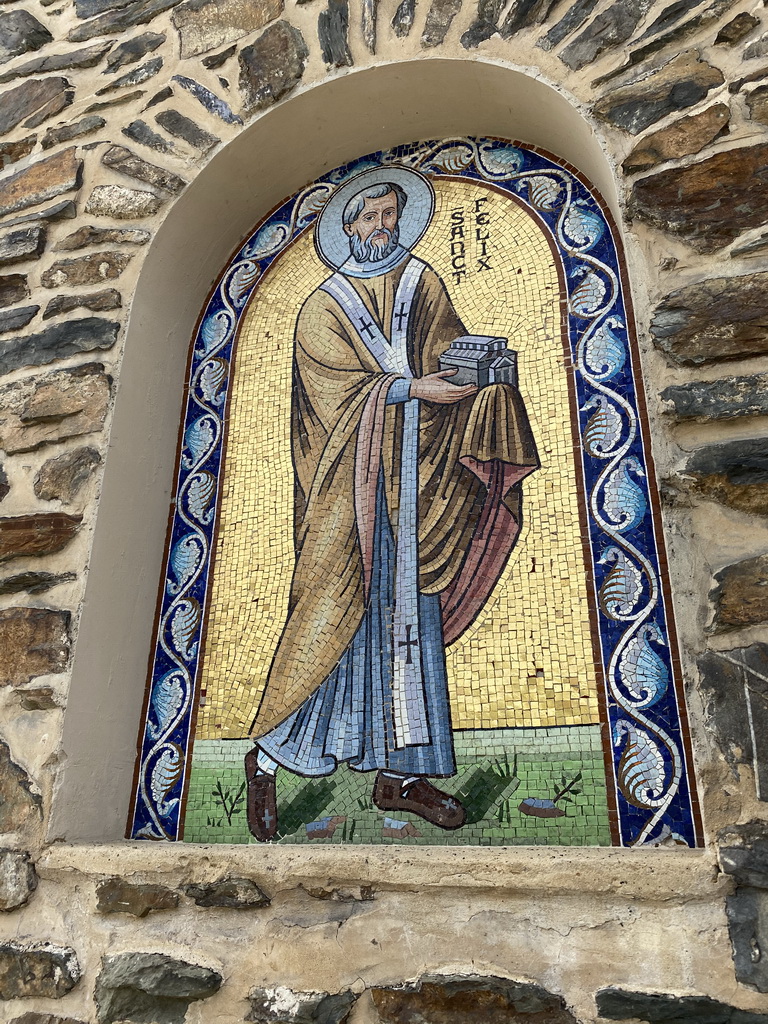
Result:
[[654, 799]]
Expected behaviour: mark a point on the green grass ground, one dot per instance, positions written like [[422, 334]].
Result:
[[497, 770]]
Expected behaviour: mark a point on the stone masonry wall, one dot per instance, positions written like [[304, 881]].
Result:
[[108, 110]]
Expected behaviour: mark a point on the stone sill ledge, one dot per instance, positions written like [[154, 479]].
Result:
[[651, 876]]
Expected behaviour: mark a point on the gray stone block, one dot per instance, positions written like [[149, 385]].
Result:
[[15, 319], [57, 342], [618, 1004], [38, 969], [21, 245], [727, 398], [150, 987], [18, 879], [21, 32]]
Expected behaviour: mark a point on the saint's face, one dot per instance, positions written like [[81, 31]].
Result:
[[377, 214]]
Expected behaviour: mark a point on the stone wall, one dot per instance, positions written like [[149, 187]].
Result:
[[109, 109]]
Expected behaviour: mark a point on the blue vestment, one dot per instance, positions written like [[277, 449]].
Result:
[[350, 716]]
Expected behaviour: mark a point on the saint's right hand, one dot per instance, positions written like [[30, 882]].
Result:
[[435, 387]]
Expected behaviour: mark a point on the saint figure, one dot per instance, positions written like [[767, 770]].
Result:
[[407, 506]]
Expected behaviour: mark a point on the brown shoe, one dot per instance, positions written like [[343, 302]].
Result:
[[419, 797], [261, 805]]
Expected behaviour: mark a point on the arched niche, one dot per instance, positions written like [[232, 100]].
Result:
[[292, 144]]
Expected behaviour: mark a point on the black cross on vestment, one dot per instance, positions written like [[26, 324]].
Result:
[[366, 327], [400, 316], [408, 644]]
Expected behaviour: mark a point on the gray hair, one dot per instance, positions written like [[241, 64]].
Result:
[[355, 206]]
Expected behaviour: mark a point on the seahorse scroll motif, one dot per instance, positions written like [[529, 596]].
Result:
[[624, 503], [184, 625], [500, 160], [212, 379], [603, 429], [545, 193], [641, 773], [214, 330], [186, 555], [588, 294], [198, 438], [268, 241], [313, 202], [583, 225], [243, 279], [167, 698], [622, 587], [605, 353], [452, 160], [165, 775], [200, 494], [643, 673]]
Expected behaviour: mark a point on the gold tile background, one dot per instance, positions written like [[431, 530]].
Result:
[[527, 660]]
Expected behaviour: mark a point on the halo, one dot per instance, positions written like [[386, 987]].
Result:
[[331, 242]]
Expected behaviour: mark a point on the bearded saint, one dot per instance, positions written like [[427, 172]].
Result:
[[407, 506]]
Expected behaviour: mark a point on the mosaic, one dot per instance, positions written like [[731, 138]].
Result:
[[415, 588]]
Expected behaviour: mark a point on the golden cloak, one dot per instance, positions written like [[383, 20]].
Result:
[[472, 457]]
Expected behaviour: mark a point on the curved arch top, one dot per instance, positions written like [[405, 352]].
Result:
[[278, 153], [457, 468]]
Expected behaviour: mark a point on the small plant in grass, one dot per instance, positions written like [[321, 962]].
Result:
[[548, 808], [229, 801]]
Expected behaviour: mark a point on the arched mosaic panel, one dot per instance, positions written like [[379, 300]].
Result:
[[415, 584]]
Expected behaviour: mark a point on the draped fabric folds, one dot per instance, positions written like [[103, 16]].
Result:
[[472, 457]]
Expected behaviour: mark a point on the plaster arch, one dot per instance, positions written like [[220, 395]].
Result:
[[319, 128]]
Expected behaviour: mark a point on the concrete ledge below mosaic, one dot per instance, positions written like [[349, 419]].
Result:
[[657, 876]]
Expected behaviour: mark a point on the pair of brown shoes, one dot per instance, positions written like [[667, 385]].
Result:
[[389, 794]]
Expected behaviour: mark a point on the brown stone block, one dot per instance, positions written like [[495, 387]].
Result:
[[40, 181], [757, 101], [709, 203], [52, 107], [10, 152], [34, 642], [36, 535], [53, 407], [22, 102], [687, 136], [89, 235], [741, 595], [13, 289], [272, 66], [62, 477], [202, 26], [734, 473], [97, 302], [18, 803], [736, 29], [118, 896], [471, 1000], [91, 269], [126, 162]]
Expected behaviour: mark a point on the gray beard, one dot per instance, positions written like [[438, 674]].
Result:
[[366, 252]]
